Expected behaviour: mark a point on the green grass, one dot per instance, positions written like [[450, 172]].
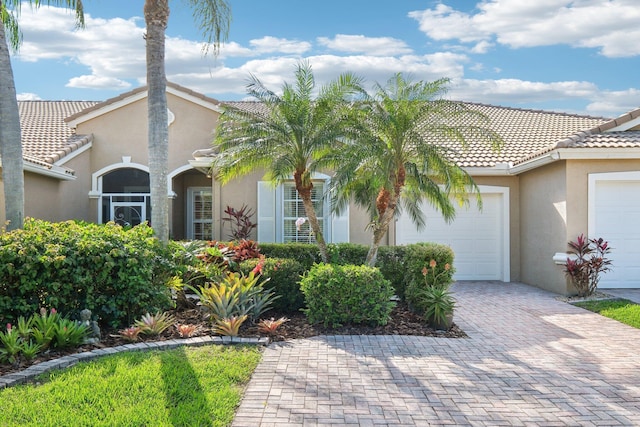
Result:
[[188, 386], [622, 310]]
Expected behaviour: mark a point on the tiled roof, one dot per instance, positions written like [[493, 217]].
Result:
[[45, 136], [527, 133], [524, 132]]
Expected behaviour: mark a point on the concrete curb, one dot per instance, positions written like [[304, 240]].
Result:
[[32, 371]]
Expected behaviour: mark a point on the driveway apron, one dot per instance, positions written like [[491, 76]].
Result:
[[529, 360]]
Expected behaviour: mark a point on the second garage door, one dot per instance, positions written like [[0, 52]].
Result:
[[479, 239]]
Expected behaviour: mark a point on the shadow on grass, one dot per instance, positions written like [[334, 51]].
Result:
[[186, 401]]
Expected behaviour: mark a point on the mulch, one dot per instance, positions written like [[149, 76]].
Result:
[[402, 322]]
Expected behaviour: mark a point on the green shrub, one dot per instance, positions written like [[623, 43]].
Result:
[[346, 294], [305, 253], [347, 253], [284, 280], [391, 262], [426, 264], [117, 274]]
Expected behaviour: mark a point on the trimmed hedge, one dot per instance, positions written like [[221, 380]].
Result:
[[284, 280], [346, 294], [119, 275]]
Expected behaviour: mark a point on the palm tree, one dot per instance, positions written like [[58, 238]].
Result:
[[288, 138], [213, 17], [404, 154], [10, 134]]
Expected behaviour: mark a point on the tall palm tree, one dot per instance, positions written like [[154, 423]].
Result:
[[288, 138], [403, 154], [10, 133], [213, 18]]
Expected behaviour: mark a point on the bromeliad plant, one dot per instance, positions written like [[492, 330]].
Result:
[[587, 263], [236, 295], [154, 324], [432, 299]]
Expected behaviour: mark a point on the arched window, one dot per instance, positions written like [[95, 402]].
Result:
[[125, 197]]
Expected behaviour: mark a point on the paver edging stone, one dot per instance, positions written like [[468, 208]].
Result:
[[67, 361]]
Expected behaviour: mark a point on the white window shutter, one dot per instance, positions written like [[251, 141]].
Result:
[[266, 212], [340, 227]]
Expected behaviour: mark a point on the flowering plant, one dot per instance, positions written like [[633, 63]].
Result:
[[434, 278]]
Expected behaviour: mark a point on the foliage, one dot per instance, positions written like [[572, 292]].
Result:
[[37, 333], [589, 262], [243, 250], [229, 326], [346, 294], [235, 296], [288, 137], [435, 304], [305, 253], [622, 310], [403, 153], [185, 386], [419, 256], [154, 324], [240, 222], [116, 274], [70, 334], [270, 326], [186, 330], [131, 334], [283, 280]]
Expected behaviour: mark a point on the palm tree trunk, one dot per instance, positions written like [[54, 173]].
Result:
[[380, 228], [315, 226], [10, 141], [156, 13]]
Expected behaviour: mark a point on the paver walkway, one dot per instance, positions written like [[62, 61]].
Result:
[[530, 360]]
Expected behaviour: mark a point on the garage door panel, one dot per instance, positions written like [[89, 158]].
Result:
[[474, 236], [617, 211]]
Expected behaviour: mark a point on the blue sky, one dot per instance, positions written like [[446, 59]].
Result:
[[578, 56]]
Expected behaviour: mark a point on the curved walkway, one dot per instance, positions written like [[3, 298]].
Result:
[[529, 360]]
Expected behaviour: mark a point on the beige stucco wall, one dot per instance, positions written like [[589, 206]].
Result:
[[42, 197], [543, 226]]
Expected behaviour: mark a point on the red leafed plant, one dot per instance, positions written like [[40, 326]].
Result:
[[588, 262], [240, 221], [270, 326], [244, 250]]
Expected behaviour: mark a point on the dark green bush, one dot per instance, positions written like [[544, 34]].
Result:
[[117, 274], [346, 294], [305, 253], [284, 280], [426, 264]]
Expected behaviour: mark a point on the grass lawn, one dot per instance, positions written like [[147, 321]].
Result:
[[194, 386], [622, 310]]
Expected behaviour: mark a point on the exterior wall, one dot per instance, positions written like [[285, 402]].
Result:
[[75, 194], [42, 197], [543, 226]]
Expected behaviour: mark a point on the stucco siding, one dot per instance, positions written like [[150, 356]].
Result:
[[543, 230]]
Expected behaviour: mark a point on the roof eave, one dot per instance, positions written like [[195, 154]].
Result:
[[54, 171], [613, 153]]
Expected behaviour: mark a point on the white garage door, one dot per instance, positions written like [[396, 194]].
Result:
[[615, 217], [478, 238]]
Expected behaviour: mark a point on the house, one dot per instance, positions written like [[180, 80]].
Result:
[[558, 175]]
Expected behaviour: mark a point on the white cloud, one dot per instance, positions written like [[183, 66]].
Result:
[[608, 103], [28, 96], [610, 26], [98, 82], [269, 44], [377, 46]]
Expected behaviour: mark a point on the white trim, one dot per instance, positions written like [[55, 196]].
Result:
[[107, 108], [96, 182], [195, 99], [172, 194], [594, 178], [53, 172]]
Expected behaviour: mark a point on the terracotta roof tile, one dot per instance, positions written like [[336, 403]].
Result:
[[46, 138]]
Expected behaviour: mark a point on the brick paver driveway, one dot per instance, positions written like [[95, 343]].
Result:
[[529, 360]]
